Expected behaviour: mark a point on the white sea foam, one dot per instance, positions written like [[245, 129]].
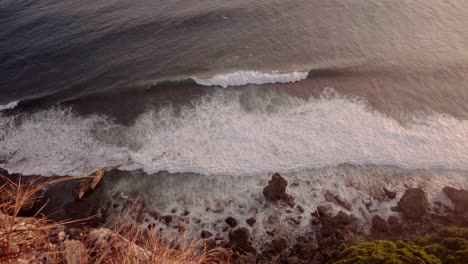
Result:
[[9, 106], [220, 136], [251, 77], [232, 134], [56, 142], [242, 197]]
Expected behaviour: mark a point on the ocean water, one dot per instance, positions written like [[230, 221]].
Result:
[[229, 89]]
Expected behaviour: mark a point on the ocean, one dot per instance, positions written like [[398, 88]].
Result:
[[228, 89]]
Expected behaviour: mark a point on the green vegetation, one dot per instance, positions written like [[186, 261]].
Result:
[[449, 245]]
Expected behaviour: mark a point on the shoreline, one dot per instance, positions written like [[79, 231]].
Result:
[[321, 231]]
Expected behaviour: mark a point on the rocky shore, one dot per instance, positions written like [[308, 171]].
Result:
[[330, 228]]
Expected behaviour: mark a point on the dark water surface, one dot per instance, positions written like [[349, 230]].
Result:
[[72, 48]]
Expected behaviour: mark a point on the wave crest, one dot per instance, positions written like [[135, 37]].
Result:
[[251, 77], [9, 106]]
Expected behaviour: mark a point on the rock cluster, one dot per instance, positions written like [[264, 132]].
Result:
[[326, 227]]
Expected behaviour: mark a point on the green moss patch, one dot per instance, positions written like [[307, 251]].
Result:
[[449, 245]]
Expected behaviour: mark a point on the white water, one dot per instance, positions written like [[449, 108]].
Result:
[[231, 134], [242, 197], [251, 77], [10, 105]]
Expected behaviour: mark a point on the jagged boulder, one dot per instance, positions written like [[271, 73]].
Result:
[[241, 241], [276, 188], [324, 211], [413, 203], [231, 221], [458, 197], [251, 221], [379, 225], [84, 186], [343, 218]]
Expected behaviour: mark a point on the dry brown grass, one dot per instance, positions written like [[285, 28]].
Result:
[[28, 239]]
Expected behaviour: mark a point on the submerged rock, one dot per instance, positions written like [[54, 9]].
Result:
[[231, 222], [251, 221], [389, 193], [413, 203], [332, 198]]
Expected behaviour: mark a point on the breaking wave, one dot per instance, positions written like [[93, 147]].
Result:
[[9, 106], [251, 77], [231, 133]]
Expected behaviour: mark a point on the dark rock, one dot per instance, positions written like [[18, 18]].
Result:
[[324, 211], [231, 222], [241, 241], [4, 173], [389, 193], [210, 244], [251, 221], [245, 259], [413, 203], [395, 209], [332, 198], [290, 200], [276, 188], [167, 219], [305, 251], [206, 234], [278, 244], [293, 260], [185, 213], [154, 214], [300, 209], [83, 186], [293, 221], [396, 229], [458, 197], [343, 218], [316, 221], [393, 220], [379, 224]]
